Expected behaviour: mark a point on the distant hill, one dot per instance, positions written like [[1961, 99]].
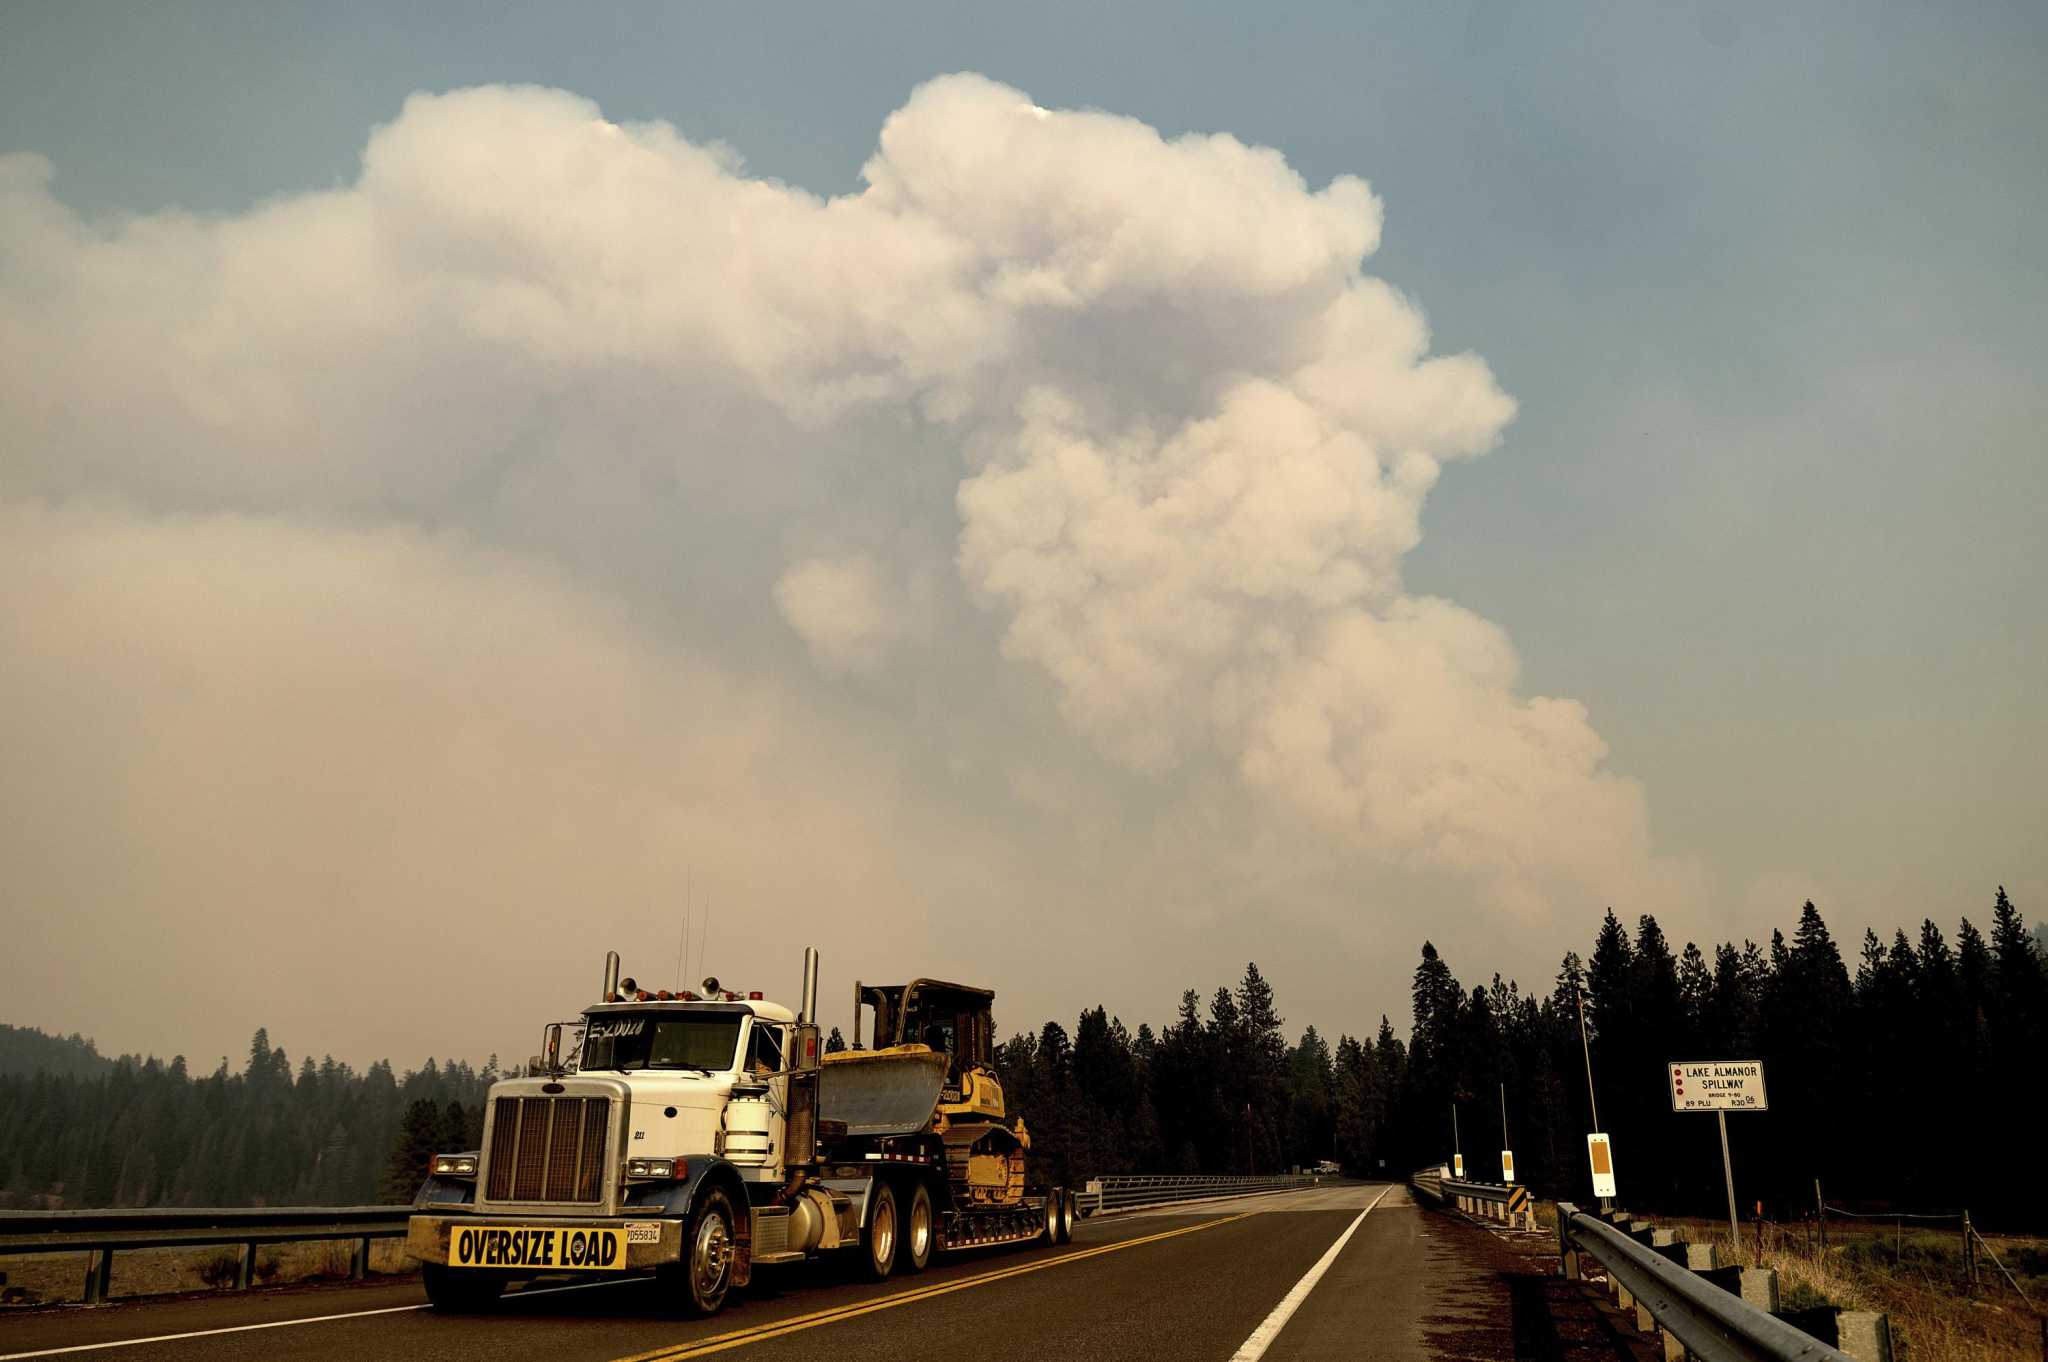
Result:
[[25, 1050]]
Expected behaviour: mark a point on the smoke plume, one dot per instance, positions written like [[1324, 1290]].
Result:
[[551, 447]]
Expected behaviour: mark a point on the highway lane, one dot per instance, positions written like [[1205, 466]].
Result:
[[1186, 1282]]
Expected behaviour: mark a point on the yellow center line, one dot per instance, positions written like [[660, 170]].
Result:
[[739, 1338]]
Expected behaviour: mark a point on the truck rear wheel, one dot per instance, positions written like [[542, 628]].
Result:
[[459, 1291], [918, 1231], [878, 1243], [704, 1276], [1052, 1216], [1066, 1215]]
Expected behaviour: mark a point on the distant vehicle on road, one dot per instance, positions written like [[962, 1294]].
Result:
[[1328, 1167]]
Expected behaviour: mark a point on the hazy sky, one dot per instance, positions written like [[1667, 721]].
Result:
[[1060, 499]]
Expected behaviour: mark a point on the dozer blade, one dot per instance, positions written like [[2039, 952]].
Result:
[[881, 1092]]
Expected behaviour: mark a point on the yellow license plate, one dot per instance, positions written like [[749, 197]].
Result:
[[537, 1248]]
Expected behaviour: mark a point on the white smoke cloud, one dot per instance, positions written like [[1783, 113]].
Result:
[[842, 609], [1134, 395]]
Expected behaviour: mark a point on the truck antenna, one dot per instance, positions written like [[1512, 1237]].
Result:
[[683, 937], [704, 935]]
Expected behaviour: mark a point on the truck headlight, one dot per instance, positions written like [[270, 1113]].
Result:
[[659, 1170], [454, 1165]]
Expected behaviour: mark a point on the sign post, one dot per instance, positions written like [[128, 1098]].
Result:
[[1721, 1086], [1507, 1155]]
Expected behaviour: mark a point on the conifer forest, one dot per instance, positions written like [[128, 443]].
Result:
[[1901, 1075]]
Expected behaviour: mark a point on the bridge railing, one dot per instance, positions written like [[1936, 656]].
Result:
[[101, 1234], [1131, 1192]]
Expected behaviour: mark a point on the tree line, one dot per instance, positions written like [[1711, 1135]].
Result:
[[1908, 1083], [142, 1132]]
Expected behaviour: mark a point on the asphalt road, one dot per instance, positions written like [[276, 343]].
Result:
[[1219, 1281]]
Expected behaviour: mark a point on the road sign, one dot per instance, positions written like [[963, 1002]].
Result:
[[1718, 1085], [1507, 1165], [1601, 1154], [1458, 1163]]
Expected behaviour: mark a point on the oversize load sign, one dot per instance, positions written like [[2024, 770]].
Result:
[[1718, 1085], [549, 1247]]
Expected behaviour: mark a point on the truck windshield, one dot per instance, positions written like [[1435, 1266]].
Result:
[[704, 1041]]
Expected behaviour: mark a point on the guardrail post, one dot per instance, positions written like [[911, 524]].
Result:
[[359, 1261], [99, 1276], [1865, 1335], [245, 1266], [1656, 1239], [1694, 1257], [1757, 1286]]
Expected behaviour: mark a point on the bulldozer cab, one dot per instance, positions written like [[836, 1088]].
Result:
[[951, 1018]]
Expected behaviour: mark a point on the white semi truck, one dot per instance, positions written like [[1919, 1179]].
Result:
[[699, 1135]]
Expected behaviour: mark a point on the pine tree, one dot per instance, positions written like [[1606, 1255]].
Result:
[[407, 1167], [1695, 997]]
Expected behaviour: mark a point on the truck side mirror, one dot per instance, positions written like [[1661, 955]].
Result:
[[807, 1048], [553, 1050]]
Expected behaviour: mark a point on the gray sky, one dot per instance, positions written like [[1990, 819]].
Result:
[[440, 540]]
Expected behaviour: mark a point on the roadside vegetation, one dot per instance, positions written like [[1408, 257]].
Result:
[[59, 1278]]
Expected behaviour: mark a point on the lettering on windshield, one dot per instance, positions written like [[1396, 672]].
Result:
[[630, 1026]]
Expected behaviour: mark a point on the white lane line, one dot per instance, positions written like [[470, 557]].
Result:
[[1262, 1337], [286, 1323]]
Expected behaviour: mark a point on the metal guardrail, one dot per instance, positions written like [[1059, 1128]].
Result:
[[1700, 1318], [1131, 1192], [102, 1233], [1498, 1200]]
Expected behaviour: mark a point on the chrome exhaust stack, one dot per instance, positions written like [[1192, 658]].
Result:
[[611, 977], [807, 1010]]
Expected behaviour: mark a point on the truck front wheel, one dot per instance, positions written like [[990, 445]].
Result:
[[879, 1243], [458, 1291], [918, 1230], [705, 1274]]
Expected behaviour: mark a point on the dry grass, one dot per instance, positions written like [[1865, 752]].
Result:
[[1916, 1278], [41, 1279]]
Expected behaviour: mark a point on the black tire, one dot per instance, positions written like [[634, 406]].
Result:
[[699, 1283], [461, 1291], [920, 1231], [1051, 1233], [1063, 1202], [879, 1241]]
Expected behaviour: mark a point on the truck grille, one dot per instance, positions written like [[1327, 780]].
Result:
[[548, 1149]]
